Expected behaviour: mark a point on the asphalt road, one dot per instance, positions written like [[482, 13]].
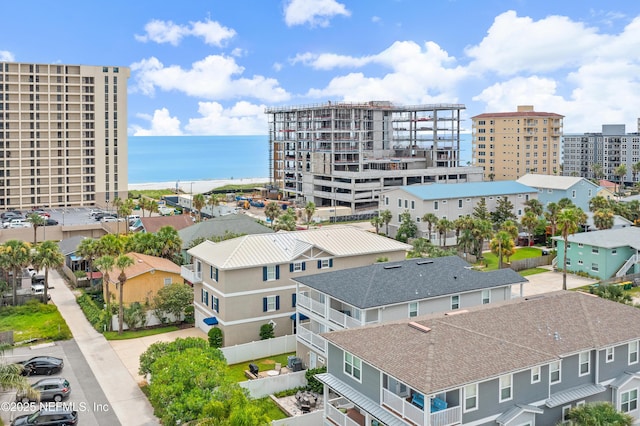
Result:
[[86, 395]]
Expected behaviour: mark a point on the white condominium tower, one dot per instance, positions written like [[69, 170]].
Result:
[[63, 135]]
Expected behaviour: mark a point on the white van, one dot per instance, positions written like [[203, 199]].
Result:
[[133, 217]]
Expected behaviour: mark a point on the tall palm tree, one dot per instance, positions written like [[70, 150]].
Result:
[[443, 226], [482, 230], [122, 263], [376, 221], [214, 200], [88, 250], [529, 221], [552, 217], [110, 244], [272, 211], [431, 220], [635, 169], [534, 206], [168, 242], [198, 203], [105, 264], [309, 210], [15, 255], [603, 218], [596, 168], [620, 173], [124, 210], [598, 202], [502, 245], [386, 216], [568, 223], [36, 222], [47, 256], [511, 228], [11, 376]]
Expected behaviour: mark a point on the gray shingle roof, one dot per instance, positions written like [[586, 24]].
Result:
[[384, 284], [216, 227], [70, 245], [490, 340]]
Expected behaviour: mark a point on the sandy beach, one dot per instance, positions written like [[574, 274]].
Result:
[[197, 186]]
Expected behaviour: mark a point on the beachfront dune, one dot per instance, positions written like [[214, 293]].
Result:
[[197, 186]]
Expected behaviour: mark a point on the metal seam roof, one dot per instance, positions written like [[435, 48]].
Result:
[[572, 394]]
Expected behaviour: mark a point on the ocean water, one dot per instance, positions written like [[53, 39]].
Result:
[[172, 158], [188, 158]]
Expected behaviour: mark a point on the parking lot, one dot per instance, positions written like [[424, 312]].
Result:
[[86, 395]]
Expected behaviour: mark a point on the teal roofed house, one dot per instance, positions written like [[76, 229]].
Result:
[[451, 200], [603, 254]]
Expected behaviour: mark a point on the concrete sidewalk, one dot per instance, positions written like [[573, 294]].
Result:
[[123, 393]]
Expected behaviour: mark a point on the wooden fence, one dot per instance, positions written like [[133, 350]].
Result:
[[532, 262]]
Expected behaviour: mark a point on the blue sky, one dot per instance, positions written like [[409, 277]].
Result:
[[212, 67]]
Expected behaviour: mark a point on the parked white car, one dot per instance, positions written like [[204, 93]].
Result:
[[17, 223]]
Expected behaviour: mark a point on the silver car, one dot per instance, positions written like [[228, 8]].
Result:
[[51, 389]]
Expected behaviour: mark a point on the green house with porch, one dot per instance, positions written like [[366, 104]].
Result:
[[605, 254]]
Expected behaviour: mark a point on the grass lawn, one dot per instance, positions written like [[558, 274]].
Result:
[[532, 271], [270, 408], [113, 335], [491, 260], [34, 320], [236, 371]]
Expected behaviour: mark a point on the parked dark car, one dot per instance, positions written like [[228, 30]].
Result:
[[42, 365], [48, 417], [51, 389], [50, 222]]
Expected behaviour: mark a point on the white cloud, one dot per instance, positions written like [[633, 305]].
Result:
[[211, 32], [243, 118], [277, 66], [214, 77], [6, 56], [376, 19], [313, 12], [161, 124]]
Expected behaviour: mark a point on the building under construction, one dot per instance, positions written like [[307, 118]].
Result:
[[345, 154]]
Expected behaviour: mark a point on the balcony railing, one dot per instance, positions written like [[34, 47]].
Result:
[[190, 275], [312, 339], [400, 406], [320, 309], [338, 417]]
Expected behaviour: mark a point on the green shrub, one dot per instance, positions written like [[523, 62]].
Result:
[[314, 384], [79, 274], [289, 392], [215, 337], [266, 331], [96, 316]]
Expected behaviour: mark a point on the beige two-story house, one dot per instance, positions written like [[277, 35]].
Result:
[[243, 283]]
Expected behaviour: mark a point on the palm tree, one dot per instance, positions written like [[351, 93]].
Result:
[[596, 168], [492, 176], [482, 230], [502, 245], [272, 211], [529, 221], [48, 255], [443, 226], [603, 218], [511, 228], [105, 264], [431, 220], [620, 173], [109, 244], [568, 223], [122, 263], [598, 202], [534, 206], [15, 256], [124, 210], [36, 222], [376, 221], [88, 250], [168, 242], [552, 217], [565, 202], [11, 377], [198, 203], [309, 210], [214, 200], [635, 169], [286, 221], [465, 243], [386, 216]]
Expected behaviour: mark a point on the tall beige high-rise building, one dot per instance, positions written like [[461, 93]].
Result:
[[63, 135], [508, 145]]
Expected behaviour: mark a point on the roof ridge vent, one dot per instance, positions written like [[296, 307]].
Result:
[[424, 262], [456, 312], [419, 327], [393, 266]]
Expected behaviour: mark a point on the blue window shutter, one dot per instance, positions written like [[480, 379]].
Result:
[[216, 275], [277, 302], [202, 295], [293, 300], [264, 304], [211, 272], [277, 272], [304, 266], [291, 267], [264, 273], [330, 263], [319, 264]]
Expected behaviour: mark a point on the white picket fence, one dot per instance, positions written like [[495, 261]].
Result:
[[265, 386], [259, 349]]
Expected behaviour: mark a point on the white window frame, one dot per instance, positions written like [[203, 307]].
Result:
[[631, 402], [552, 370], [609, 354], [413, 309], [595, 250], [455, 305], [198, 269], [324, 264], [505, 384], [580, 403], [352, 366], [467, 396], [595, 267], [271, 273], [584, 360], [633, 352], [536, 374], [460, 203], [565, 411], [297, 267], [614, 251], [435, 205], [271, 303], [486, 295], [170, 281]]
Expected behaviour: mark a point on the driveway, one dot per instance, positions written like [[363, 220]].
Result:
[[546, 282], [122, 391]]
